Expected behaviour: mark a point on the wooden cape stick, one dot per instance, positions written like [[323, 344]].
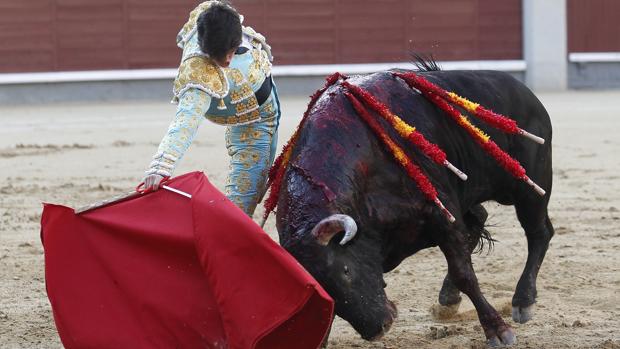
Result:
[[123, 197]]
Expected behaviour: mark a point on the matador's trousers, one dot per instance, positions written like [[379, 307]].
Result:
[[252, 149]]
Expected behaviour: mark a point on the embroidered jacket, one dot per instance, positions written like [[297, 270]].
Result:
[[202, 89], [232, 88]]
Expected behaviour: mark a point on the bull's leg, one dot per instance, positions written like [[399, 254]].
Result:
[[462, 275], [539, 231], [449, 300], [449, 295]]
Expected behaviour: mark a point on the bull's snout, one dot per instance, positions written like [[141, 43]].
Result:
[[392, 314]]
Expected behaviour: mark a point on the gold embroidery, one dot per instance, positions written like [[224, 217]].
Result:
[[234, 96], [244, 136], [243, 182], [202, 73], [265, 63], [251, 116], [221, 105], [221, 120], [243, 92], [246, 106], [236, 75], [260, 67], [258, 41], [235, 119], [255, 74], [247, 137], [268, 108]]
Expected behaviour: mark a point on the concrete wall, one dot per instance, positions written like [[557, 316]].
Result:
[[594, 75], [40, 93], [544, 44]]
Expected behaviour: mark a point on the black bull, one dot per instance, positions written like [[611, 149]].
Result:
[[339, 167]]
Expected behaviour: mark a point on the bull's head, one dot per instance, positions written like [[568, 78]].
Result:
[[332, 214], [348, 265]]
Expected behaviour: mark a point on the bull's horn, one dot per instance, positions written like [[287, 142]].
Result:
[[332, 225]]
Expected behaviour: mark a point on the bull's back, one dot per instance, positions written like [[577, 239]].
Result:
[[334, 121], [501, 93]]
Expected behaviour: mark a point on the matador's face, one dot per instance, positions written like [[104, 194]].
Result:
[[224, 62]]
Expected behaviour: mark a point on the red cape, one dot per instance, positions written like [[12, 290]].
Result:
[[164, 271]]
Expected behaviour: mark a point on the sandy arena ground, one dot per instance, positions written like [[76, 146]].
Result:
[[76, 154]]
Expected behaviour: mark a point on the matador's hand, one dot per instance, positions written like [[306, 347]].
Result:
[[152, 181]]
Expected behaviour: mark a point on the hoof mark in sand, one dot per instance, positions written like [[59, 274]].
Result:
[[444, 331]]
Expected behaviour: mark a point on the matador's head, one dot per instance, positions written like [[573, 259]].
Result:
[[219, 32]]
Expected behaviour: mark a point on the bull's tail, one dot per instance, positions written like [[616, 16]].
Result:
[[479, 236], [484, 240]]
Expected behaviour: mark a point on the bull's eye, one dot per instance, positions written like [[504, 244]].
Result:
[[346, 269]]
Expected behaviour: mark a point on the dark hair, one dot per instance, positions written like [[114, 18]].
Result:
[[219, 30]]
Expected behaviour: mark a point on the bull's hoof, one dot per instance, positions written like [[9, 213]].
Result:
[[505, 339], [444, 312], [522, 314]]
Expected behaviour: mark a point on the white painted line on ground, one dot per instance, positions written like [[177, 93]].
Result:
[[278, 70]]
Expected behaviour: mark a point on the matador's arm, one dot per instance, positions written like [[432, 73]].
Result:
[[193, 104]]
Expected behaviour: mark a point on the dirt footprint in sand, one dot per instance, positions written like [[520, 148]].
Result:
[[38, 149]]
